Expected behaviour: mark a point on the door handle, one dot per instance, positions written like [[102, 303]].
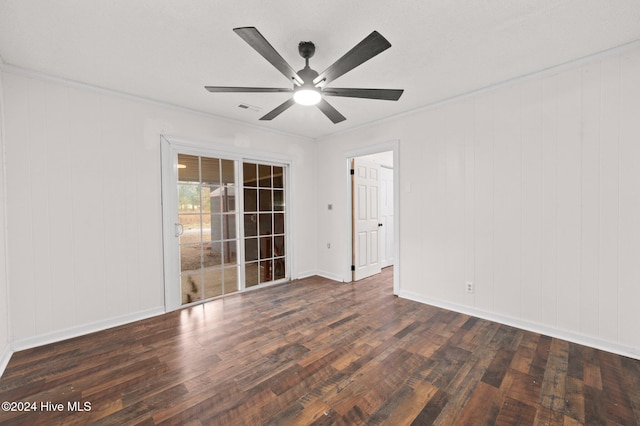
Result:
[[179, 229], [379, 225]]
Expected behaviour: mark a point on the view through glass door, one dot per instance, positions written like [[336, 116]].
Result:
[[228, 232], [208, 227], [264, 223]]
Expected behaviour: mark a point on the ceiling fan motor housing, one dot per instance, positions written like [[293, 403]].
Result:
[[306, 49]]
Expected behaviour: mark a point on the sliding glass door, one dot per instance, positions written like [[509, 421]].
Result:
[[225, 224], [207, 218]]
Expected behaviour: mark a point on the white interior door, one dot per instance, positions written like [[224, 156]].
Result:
[[386, 216], [366, 218]]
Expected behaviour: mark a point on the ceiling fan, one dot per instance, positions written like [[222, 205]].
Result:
[[309, 87]]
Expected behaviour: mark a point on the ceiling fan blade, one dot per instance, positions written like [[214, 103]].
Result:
[[225, 89], [253, 37], [373, 44], [279, 109], [330, 111], [383, 94]]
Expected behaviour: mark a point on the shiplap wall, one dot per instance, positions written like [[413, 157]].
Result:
[[84, 202], [530, 190]]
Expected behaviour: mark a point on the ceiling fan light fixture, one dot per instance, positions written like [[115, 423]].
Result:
[[307, 96], [309, 87]]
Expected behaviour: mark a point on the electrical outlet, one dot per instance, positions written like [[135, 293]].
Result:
[[328, 245], [468, 286]]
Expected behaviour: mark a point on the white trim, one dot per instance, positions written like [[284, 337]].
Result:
[[252, 288], [289, 240], [6, 322], [168, 174], [393, 145], [71, 83], [539, 73], [385, 263], [316, 273], [327, 275], [534, 327], [68, 333], [221, 148], [305, 274], [5, 358]]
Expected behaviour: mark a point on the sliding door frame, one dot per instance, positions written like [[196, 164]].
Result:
[[170, 147]]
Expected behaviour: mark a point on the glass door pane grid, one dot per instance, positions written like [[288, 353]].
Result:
[[264, 222], [190, 243], [223, 240], [218, 251]]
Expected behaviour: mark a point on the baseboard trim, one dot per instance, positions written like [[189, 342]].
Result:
[[305, 274], [570, 336], [5, 358], [68, 333], [328, 275]]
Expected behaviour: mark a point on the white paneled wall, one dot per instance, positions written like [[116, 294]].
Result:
[[84, 203], [530, 190], [63, 231], [629, 202], [5, 349]]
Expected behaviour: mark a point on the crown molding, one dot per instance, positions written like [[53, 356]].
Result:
[[556, 69], [25, 72]]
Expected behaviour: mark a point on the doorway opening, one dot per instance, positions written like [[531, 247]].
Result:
[[374, 214]]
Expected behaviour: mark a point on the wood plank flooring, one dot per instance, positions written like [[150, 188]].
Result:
[[316, 352]]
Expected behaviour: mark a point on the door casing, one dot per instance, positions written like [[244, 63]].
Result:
[[386, 216], [393, 145]]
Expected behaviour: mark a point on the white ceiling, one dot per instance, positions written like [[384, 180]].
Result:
[[167, 50]]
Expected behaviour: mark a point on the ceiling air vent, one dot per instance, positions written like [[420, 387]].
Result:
[[250, 107]]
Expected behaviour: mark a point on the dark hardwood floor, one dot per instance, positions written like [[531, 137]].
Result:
[[319, 352]]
